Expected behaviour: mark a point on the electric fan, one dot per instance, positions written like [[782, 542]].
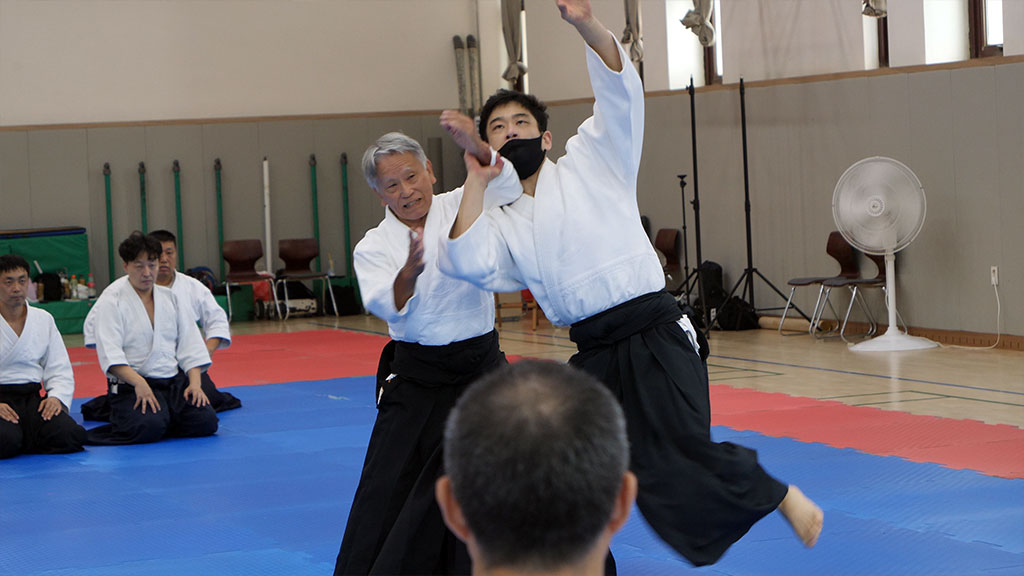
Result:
[[879, 207]]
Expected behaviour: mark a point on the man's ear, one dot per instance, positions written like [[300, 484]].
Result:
[[623, 502], [450, 509], [546, 141]]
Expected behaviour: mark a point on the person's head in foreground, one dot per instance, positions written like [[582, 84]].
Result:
[[536, 457]]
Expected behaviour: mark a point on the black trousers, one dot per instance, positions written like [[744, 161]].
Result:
[[395, 525], [32, 434], [700, 496], [98, 409], [176, 417]]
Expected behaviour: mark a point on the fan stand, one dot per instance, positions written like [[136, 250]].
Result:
[[893, 340]]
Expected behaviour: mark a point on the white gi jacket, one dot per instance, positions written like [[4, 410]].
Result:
[[124, 335], [578, 243], [442, 309], [38, 355], [199, 300]]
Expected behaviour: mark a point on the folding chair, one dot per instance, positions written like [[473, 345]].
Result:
[[297, 254], [855, 285]]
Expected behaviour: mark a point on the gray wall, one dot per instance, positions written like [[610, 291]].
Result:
[[961, 130]]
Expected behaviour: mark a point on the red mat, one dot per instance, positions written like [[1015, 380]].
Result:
[[265, 359], [996, 450]]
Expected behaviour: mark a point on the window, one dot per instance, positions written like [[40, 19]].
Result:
[[985, 22]]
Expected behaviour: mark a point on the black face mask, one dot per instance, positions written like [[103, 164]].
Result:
[[526, 155]]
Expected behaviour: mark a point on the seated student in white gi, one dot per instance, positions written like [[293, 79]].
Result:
[[443, 338], [32, 352], [211, 317], [575, 240], [152, 353], [535, 471]]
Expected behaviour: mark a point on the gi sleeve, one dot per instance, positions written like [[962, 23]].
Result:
[[109, 333], [614, 134], [58, 377], [504, 189], [481, 257], [212, 316], [376, 270], [190, 351]]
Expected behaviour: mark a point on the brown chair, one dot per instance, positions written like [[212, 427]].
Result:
[[526, 303], [669, 242], [241, 256], [840, 250], [297, 254]]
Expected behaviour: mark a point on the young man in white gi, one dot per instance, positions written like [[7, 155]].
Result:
[[152, 353], [443, 338], [211, 317], [32, 357], [576, 241]]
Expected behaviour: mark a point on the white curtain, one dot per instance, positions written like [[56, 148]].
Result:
[[632, 35], [511, 25]]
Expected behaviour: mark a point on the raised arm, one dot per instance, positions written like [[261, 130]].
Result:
[[581, 16]]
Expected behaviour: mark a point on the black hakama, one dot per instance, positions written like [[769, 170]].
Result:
[[176, 417], [33, 435], [394, 525], [98, 409], [700, 496]]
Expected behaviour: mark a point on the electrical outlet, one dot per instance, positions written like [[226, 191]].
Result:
[[995, 275]]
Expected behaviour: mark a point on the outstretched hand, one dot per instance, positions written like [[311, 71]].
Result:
[[575, 11], [463, 130]]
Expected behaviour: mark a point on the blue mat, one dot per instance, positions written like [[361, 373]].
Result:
[[269, 494]]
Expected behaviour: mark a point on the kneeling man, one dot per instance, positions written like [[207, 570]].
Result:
[[32, 357], [153, 355]]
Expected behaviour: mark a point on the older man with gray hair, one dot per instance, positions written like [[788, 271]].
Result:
[[443, 338], [536, 480]]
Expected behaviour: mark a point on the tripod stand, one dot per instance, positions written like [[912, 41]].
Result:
[[747, 278]]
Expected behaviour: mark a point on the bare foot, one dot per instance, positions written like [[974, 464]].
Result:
[[803, 515]]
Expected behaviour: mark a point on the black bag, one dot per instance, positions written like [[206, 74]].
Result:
[[348, 304], [53, 289], [296, 291], [714, 291], [737, 314]]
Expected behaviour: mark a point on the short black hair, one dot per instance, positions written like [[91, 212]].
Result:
[[134, 245], [535, 107], [536, 453], [9, 262], [164, 236]]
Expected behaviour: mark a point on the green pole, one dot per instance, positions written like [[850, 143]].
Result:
[[344, 204], [177, 207], [110, 224], [316, 209], [220, 215], [142, 195]]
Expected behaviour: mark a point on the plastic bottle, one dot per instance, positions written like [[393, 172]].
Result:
[[91, 286]]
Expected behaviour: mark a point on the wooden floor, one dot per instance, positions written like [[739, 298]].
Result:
[[985, 385]]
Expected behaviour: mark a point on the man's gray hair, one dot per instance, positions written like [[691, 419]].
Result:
[[386, 145], [536, 453]]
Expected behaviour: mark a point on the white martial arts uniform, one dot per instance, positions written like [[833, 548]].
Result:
[[442, 309], [204, 307], [577, 244], [38, 355], [123, 333]]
